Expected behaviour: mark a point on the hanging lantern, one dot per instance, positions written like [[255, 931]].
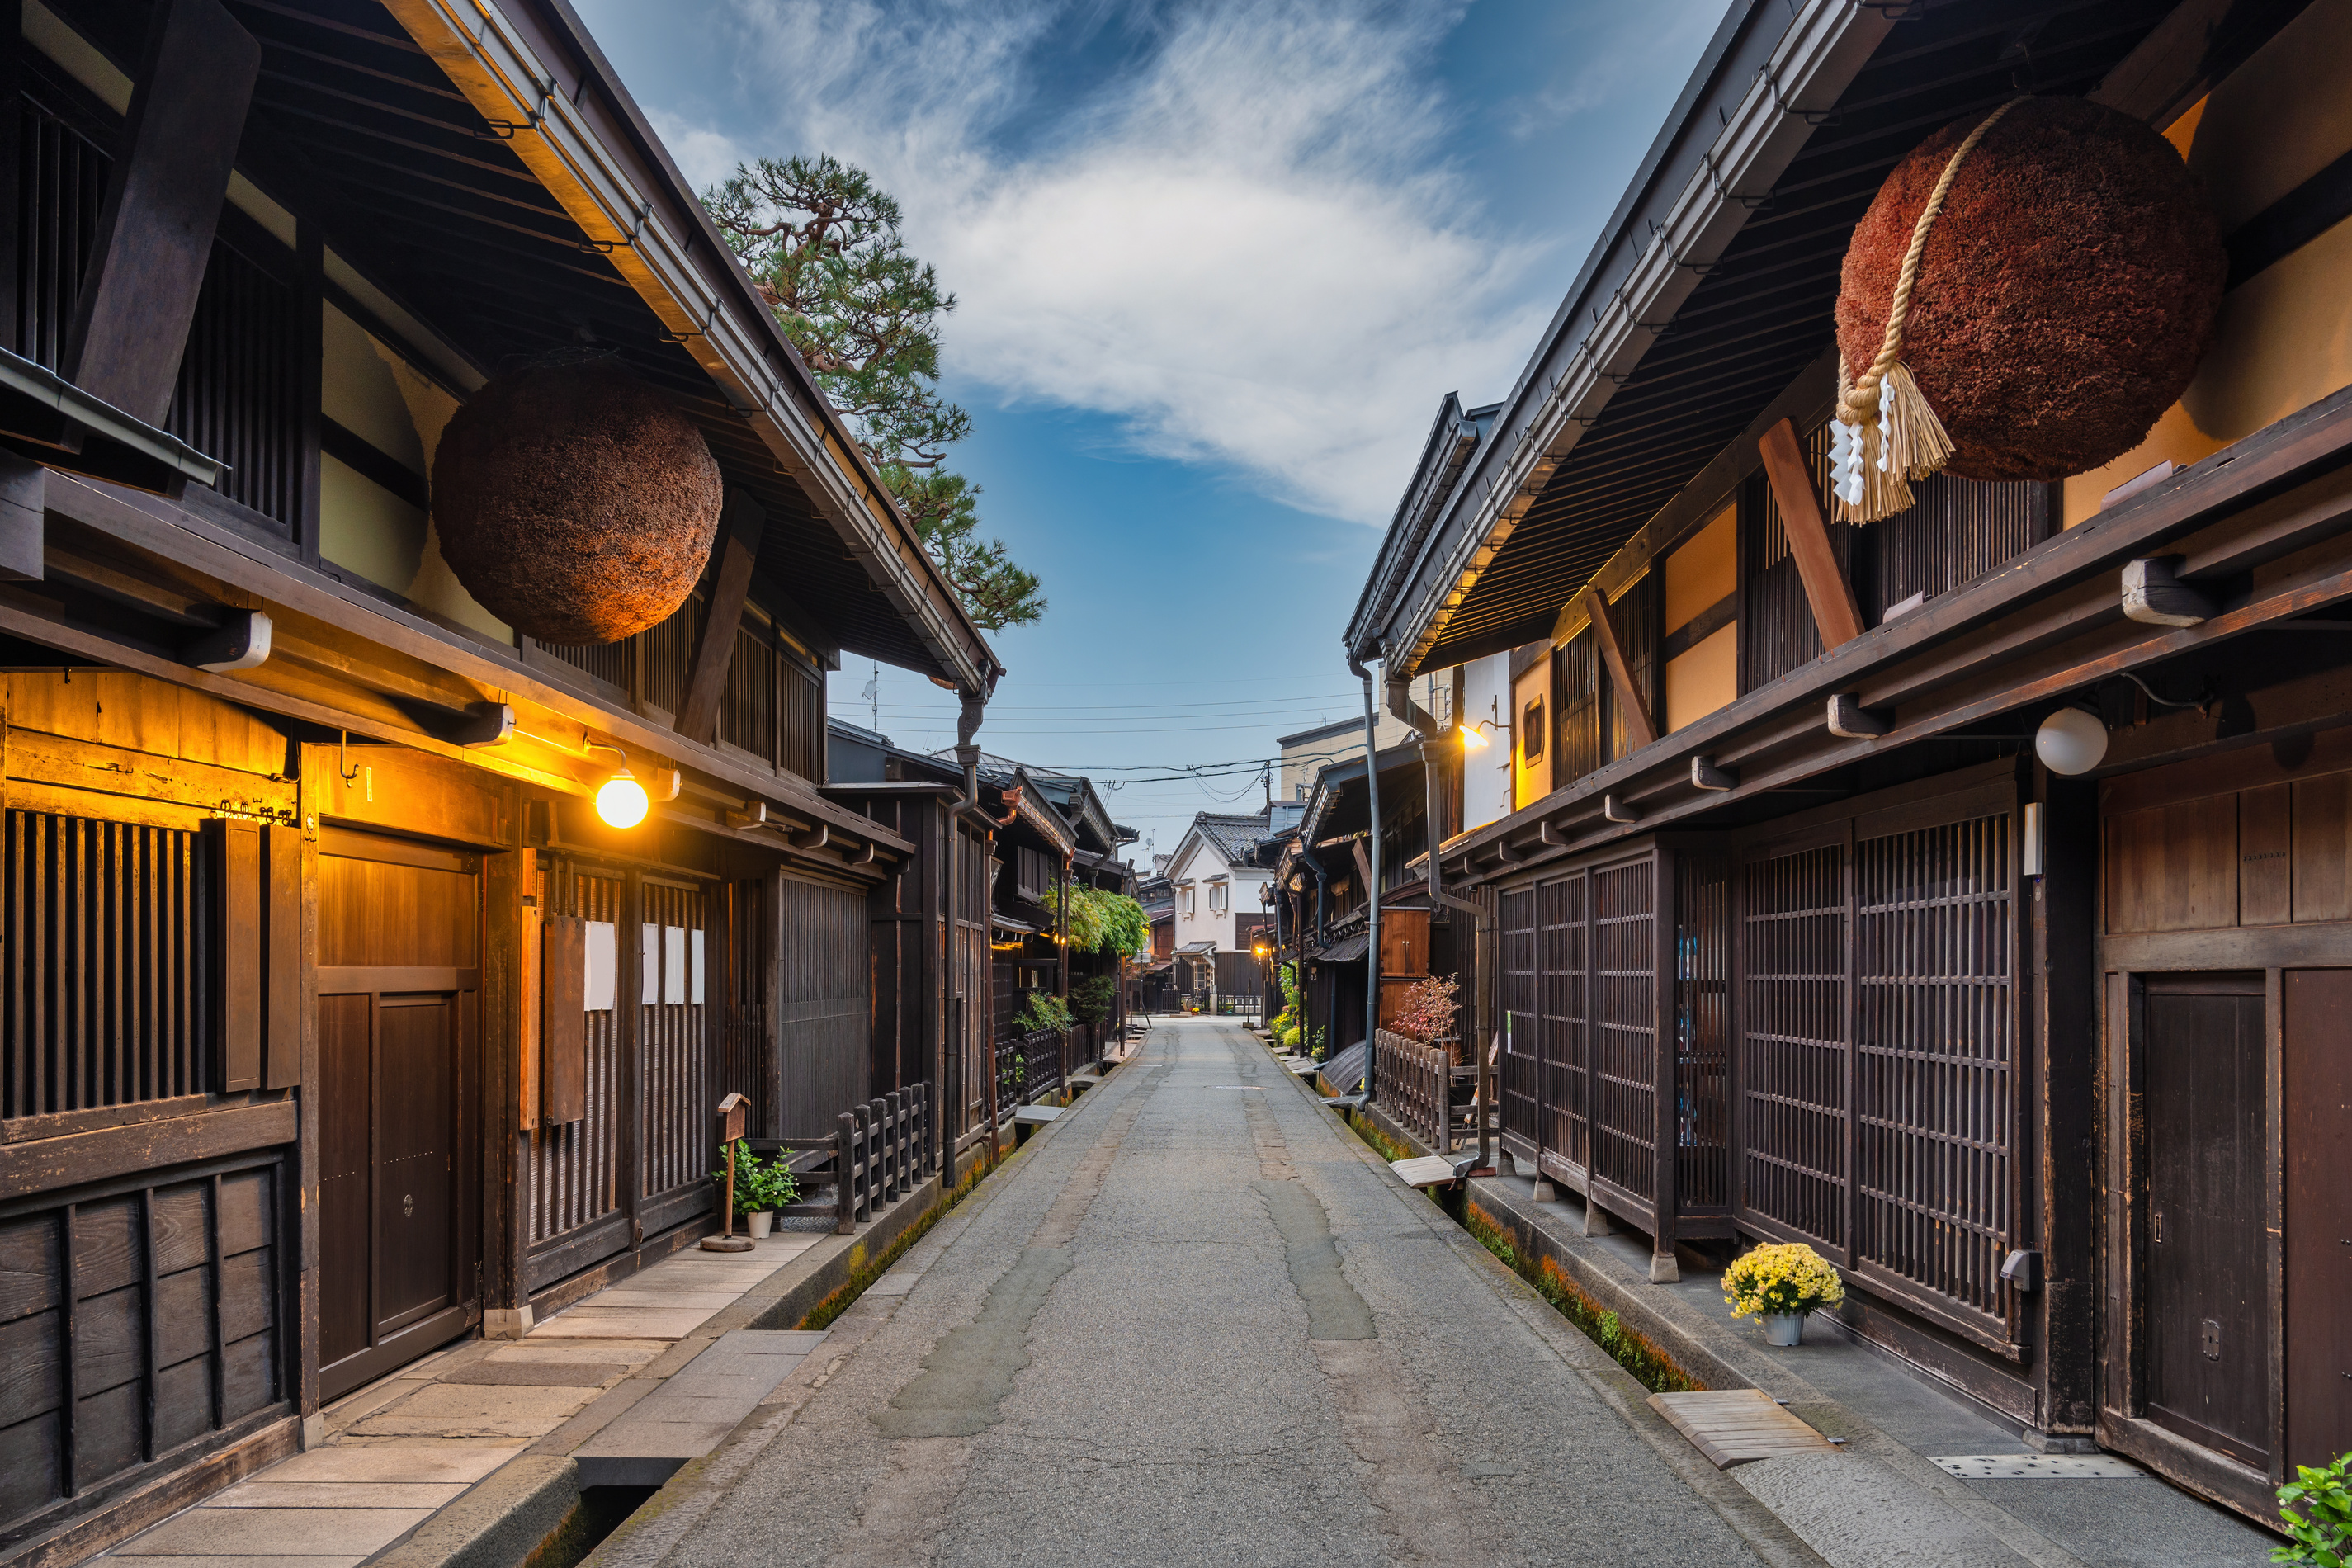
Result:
[[575, 502], [2029, 292]]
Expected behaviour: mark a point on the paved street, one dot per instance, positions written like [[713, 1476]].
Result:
[[1200, 1323]]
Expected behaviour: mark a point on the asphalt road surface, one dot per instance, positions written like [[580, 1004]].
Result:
[[1200, 1323]]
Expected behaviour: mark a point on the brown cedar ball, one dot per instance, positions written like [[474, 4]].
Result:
[[575, 502], [2066, 294]]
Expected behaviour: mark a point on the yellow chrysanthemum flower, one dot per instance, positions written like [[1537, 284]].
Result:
[[1786, 1278]]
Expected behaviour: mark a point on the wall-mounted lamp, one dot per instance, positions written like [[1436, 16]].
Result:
[[2071, 741], [622, 800], [1474, 742]]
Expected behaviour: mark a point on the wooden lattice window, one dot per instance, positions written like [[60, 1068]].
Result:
[[1521, 1033], [1936, 1057], [1792, 1057], [1702, 1033], [1567, 1076], [111, 976], [1624, 1031]]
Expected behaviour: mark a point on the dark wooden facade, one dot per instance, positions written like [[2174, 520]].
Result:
[[2050, 1067], [333, 1023]]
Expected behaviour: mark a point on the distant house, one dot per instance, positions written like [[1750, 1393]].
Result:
[[1220, 903]]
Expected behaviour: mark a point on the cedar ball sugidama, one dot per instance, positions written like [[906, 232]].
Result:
[[2067, 292], [575, 502]]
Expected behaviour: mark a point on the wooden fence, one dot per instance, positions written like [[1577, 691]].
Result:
[[1411, 1085], [877, 1154]]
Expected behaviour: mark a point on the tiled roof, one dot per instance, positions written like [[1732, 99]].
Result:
[[1232, 836]]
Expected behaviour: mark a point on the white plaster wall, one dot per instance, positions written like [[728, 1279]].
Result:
[[1487, 782], [1243, 884]]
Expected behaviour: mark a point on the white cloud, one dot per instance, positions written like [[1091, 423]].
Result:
[[1248, 245], [704, 157]]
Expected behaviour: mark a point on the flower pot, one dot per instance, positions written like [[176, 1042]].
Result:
[[765, 1220], [1784, 1327]]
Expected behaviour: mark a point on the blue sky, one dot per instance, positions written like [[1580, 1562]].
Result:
[[1218, 260]]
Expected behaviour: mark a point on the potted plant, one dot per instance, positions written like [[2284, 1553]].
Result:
[[2322, 1532], [760, 1190], [1780, 1285]]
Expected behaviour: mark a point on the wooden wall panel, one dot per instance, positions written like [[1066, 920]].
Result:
[[564, 1029], [282, 966], [2174, 867], [2323, 848], [2264, 886], [113, 708]]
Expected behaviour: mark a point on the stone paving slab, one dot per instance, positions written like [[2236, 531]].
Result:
[[593, 1322], [477, 1410], [439, 1462], [695, 1409], [276, 1532], [338, 1494]]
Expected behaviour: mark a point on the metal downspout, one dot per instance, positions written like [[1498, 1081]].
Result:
[[1402, 706], [1372, 893]]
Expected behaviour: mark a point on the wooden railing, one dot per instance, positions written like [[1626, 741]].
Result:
[[877, 1154], [1410, 1083]]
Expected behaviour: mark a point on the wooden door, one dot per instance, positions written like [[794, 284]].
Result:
[[397, 987], [2316, 1062], [2207, 1308]]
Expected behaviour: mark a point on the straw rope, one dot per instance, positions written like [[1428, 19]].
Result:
[[1858, 404]]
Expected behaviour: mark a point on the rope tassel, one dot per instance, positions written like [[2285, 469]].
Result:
[[1886, 434]]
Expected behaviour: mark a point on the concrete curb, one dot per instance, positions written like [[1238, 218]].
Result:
[[496, 1523]]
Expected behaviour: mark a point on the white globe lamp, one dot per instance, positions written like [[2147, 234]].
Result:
[[2071, 741]]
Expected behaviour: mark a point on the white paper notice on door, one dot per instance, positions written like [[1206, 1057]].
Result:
[[672, 965], [693, 946], [603, 965], [649, 984]]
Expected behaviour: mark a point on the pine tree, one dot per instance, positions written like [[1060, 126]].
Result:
[[824, 246]]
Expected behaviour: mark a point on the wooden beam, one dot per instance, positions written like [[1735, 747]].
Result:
[[740, 527], [1826, 589], [1639, 727], [155, 232]]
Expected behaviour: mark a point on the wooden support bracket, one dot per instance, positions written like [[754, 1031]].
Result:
[[740, 528], [2154, 596], [163, 198], [817, 838], [1615, 810], [1704, 774], [1850, 721], [1826, 589], [1640, 730]]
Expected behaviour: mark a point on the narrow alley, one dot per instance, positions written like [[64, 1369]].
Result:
[[1202, 1323]]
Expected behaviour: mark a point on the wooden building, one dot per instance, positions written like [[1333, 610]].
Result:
[[1799, 938], [1027, 835], [338, 1022]]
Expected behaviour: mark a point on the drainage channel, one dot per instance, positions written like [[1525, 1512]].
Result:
[[600, 1511]]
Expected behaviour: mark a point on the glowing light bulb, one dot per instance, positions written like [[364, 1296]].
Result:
[[1472, 741], [622, 802]]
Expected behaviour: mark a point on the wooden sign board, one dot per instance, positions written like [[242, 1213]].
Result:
[[564, 1021], [733, 1112]]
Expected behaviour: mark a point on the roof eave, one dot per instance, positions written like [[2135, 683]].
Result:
[[631, 197], [1682, 211]]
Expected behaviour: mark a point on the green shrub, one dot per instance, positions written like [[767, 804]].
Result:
[[759, 1188], [2322, 1532], [1093, 999], [1043, 1010]]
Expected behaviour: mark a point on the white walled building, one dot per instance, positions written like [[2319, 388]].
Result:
[[1214, 882]]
